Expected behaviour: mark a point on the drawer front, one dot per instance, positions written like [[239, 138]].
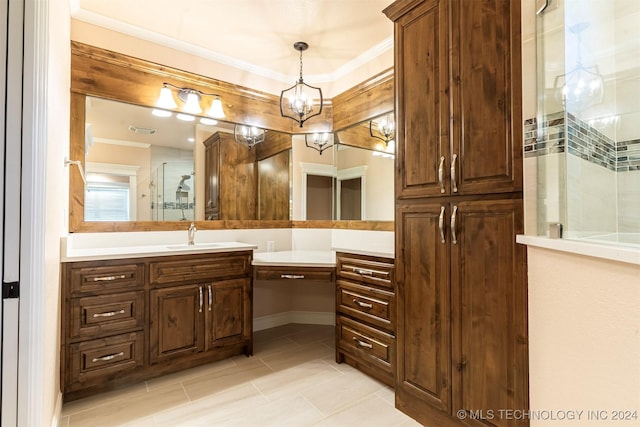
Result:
[[369, 345], [371, 270], [106, 314], [106, 278], [324, 274], [95, 361], [199, 269], [366, 303]]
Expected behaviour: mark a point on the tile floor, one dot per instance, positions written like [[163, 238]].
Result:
[[292, 380]]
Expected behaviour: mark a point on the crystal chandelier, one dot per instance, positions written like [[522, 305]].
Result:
[[297, 102], [385, 129], [248, 135], [583, 86], [319, 141]]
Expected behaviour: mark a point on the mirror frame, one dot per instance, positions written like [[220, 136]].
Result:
[[111, 75]]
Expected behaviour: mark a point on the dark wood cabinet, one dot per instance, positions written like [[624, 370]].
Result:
[[230, 184], [462, 300], [461, 277], [125, 322], [457, 68], [176, 324], [366, 315]]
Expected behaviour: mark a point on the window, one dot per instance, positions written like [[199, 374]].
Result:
[[106, 201]]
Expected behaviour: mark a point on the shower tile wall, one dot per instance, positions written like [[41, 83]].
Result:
[[602, 194]]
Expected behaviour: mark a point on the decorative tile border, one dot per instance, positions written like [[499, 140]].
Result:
[[559, 133]]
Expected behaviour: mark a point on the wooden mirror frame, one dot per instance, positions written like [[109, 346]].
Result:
[[110, 75]]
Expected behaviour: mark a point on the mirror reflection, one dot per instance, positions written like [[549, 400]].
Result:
[[141, 167], [352, 181], [144, 167]]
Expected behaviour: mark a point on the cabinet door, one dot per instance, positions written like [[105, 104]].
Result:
[[421, 77], [228, 312], [489, 296], [486, 97], [423, 322], [176, 322], [212, 178]]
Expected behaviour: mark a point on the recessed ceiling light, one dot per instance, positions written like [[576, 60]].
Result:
[[191, 139], [161, 113], [209, 122], [185, 117]]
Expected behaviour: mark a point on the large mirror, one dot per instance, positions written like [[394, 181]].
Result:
[[352, 181], [145, 167], [141, 167]]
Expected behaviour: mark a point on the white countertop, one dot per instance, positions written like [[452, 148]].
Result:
[[91, 254], [599, 250], [296, 258], [378, 253]]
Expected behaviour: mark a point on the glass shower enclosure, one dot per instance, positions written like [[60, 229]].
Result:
[[173, 192], [586, 136]]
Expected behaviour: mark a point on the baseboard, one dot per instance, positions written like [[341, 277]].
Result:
[[57, 411], [284, 318]]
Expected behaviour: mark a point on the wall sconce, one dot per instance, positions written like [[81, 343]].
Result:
[[248, 135], [385, 130], [191, 99], [297, 102], [319, 141]]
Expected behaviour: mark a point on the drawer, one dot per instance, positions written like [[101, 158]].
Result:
[[368, 346], [99, 279], [367, 304], [324, 274], [366, 269], [106, 314], [97, 361], [194, 270]]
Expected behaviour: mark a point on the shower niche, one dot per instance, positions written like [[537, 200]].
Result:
[[173, 191]]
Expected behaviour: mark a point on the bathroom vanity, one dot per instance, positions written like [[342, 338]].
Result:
[[133, 314]]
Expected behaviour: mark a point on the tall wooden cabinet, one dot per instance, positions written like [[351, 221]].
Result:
[[461, 277], [230, 184]]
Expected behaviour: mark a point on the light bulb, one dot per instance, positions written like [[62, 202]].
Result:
[[216, 110], [166, 100], [192, 105]]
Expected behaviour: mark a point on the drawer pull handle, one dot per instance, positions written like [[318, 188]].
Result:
[[108, 313], [106, 358], [362, 343], [201, 300], [362, 304], [367, 272], [454, 184], [210, 297], [441, 174], [109, 278], [292, 276]]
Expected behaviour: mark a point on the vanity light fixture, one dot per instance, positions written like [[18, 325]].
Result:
[[385, 129], [297, 102], [248, 135], [319, 141], [191, 99]]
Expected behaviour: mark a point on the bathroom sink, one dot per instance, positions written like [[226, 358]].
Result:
[[196, 246]]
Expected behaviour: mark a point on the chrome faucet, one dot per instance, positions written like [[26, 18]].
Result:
[[192, 234]]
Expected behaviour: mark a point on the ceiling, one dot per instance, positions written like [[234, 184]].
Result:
[[256, 36]]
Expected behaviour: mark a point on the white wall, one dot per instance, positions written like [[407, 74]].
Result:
[[584, 336], [57, 199]]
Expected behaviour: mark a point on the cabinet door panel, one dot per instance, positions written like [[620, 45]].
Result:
[[423, 332], [176, 322], [485, 64], [227, 315], [422, 86], [489, 309]]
